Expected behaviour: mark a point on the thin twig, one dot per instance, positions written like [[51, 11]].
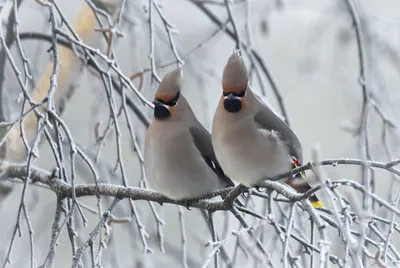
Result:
[[183, 237]]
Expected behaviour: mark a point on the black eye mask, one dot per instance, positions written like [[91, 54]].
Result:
[[172, 102], [161, 112], [240, 95]]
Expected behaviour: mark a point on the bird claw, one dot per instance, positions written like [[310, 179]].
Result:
[[187, 204]]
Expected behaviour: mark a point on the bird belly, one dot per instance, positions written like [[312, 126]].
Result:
[[180, 172], [254, 159]]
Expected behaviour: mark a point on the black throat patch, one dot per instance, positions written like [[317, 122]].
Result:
[[233, 101], [232, 105], [161, 112]]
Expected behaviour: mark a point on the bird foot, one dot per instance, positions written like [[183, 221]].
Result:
[[187, 203], [258, 188]]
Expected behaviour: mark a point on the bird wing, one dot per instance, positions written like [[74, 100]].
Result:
[[202, 140], [267, 119]]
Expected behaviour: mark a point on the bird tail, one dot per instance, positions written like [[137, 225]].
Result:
[[303, 186], [315, 201]]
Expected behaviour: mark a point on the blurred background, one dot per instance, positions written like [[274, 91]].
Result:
[[312, 55]]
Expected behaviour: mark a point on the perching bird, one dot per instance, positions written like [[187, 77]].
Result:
[[178, 156], [250, 141]]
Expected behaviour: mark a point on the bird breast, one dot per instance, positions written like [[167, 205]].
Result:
[[249, 154], [175, 167]]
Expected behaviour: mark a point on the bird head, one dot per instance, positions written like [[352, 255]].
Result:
[[234, 83], [167, 97]]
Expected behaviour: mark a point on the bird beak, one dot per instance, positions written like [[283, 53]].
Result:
[[157, 103], [230, 96]]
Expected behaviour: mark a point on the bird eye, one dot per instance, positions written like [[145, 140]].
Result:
[[242, 94], [172, 102]]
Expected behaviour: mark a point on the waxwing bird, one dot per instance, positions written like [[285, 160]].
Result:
[[179, 159], [250, 141]]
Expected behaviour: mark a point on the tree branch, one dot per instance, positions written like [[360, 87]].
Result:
[[63, 189]]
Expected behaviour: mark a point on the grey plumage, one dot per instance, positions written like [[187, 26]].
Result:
[[270, 121], [179, 158], [250, 141], [247, 148]]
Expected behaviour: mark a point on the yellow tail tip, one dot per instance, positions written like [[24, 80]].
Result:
[[317, 204]]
